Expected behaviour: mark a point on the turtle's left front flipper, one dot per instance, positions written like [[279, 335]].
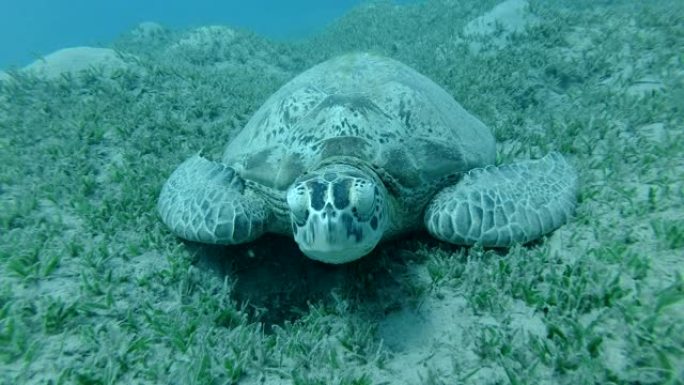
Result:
[[500, 206], [205, 201]]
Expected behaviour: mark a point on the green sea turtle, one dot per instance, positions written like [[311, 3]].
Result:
[[360, 149]]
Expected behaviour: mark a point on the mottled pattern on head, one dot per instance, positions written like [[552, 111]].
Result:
[[372, 109], [338, 214]]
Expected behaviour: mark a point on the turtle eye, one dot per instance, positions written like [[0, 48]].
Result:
[[298, 201], [363, 197]]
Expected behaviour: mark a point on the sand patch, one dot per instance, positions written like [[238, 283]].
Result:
[[76, 59], [442, 337], [204, 40], [500, 22], [148, 30]]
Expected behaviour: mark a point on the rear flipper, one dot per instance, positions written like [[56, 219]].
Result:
[[204, 201], [500, 206]]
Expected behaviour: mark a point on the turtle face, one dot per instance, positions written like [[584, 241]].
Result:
[[338, 213]]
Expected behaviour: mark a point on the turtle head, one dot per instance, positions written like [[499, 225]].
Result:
[[338, 212]]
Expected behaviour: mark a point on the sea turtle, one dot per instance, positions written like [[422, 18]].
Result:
[[360, 149]]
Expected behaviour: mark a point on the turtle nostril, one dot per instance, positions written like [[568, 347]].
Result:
[[328, 210]]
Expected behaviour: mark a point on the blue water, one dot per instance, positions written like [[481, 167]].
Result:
[[30, 29]]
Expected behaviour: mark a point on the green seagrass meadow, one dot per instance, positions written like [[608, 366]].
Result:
[[95, 290]]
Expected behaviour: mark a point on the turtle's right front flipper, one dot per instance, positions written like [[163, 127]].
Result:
[[207, 202], [500, 206]]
